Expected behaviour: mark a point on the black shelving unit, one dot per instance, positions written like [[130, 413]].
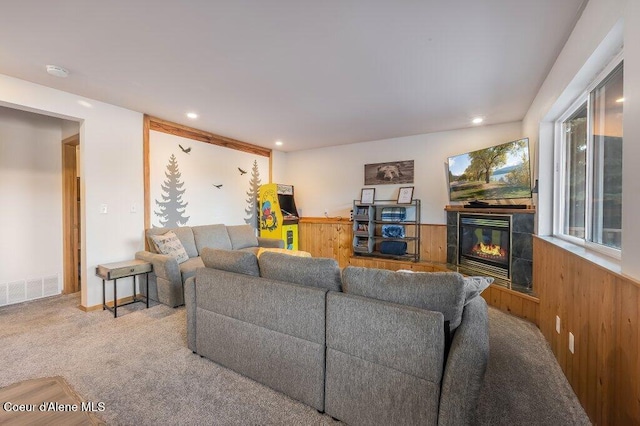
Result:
[[371, 229]]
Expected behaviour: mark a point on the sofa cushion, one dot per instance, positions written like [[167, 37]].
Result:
[[184, 234], [435, 291], [214, 236], [170, 245], [188, 268], [292, 309], [241, 262], [242, 236], [314, 272], [473, 286]]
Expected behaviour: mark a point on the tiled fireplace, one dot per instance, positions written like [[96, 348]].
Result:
[[492, 242], [484, 243]]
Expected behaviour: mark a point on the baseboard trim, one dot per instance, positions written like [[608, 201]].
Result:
[[109, 303]]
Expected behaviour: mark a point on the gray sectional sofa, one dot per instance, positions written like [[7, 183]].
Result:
[[167, 279], [366, 346]]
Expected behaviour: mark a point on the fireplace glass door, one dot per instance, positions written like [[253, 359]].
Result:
[[485, 243]]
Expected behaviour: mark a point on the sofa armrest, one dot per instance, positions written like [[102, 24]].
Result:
[[163, 266], [465, 367], [270, 242]]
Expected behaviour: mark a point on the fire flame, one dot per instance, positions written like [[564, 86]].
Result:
[[489, 250]]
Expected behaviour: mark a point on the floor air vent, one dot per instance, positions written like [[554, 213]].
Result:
[[3, 294], [34, 288], [50, 286], [16, 292]]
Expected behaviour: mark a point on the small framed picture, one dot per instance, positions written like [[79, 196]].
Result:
[[405, 195], [367, 195]]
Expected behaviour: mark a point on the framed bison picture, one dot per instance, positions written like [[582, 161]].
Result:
[[388, 173]]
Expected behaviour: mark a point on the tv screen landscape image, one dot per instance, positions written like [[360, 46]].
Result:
[[496, 173]]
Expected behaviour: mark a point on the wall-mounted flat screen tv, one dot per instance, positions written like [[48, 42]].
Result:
[[496, 173]]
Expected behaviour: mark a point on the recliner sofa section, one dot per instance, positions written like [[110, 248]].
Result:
[[166, 282], [272, 331]]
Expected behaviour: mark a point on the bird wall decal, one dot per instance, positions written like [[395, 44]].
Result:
[[242, 172], [185, 150], [217, 186]]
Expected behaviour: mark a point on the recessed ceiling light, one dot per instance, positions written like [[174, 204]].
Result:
[[477, 120], [192, 115], [85, 104], [57, 71], [620, 100], [279, 143]]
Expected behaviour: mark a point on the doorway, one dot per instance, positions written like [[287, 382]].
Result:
[[71, 202]]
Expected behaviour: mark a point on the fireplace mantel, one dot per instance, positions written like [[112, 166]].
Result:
[[502, 209]]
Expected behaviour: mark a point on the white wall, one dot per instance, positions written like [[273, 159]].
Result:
[[279, 166], [205, 165], [70, 128], [111, 166], [603, 27], [331, 178], [631, 143], [593, 42], [31, 194]]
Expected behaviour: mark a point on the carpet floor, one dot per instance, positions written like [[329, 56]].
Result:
[[139, 366]]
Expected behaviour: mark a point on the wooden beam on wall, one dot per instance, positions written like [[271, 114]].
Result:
[[164, 126], [145, 170]]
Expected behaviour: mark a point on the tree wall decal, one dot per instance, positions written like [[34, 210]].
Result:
[[172, 208], [252, 193]]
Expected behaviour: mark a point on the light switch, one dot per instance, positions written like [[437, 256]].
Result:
[[103, 208], [134, 208]]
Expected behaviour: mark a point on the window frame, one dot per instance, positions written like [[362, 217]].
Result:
[[560, 171]]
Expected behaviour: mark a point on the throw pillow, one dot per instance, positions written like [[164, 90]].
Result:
[[240, 262], [473, 286], [170, 245]]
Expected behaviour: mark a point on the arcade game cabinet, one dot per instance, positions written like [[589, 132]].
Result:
[[278, 214]]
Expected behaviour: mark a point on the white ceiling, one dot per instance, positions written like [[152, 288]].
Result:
[[310, 73]]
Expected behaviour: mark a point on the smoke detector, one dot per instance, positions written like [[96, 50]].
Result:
[[57, 71]]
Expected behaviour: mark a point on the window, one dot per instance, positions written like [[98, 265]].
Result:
[[575, 132], [590, 167]]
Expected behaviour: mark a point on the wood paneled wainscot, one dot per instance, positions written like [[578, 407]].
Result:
[[326, 237], [600, 308], [332, 237]]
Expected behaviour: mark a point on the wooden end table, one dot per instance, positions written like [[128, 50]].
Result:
[[116, 270]]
